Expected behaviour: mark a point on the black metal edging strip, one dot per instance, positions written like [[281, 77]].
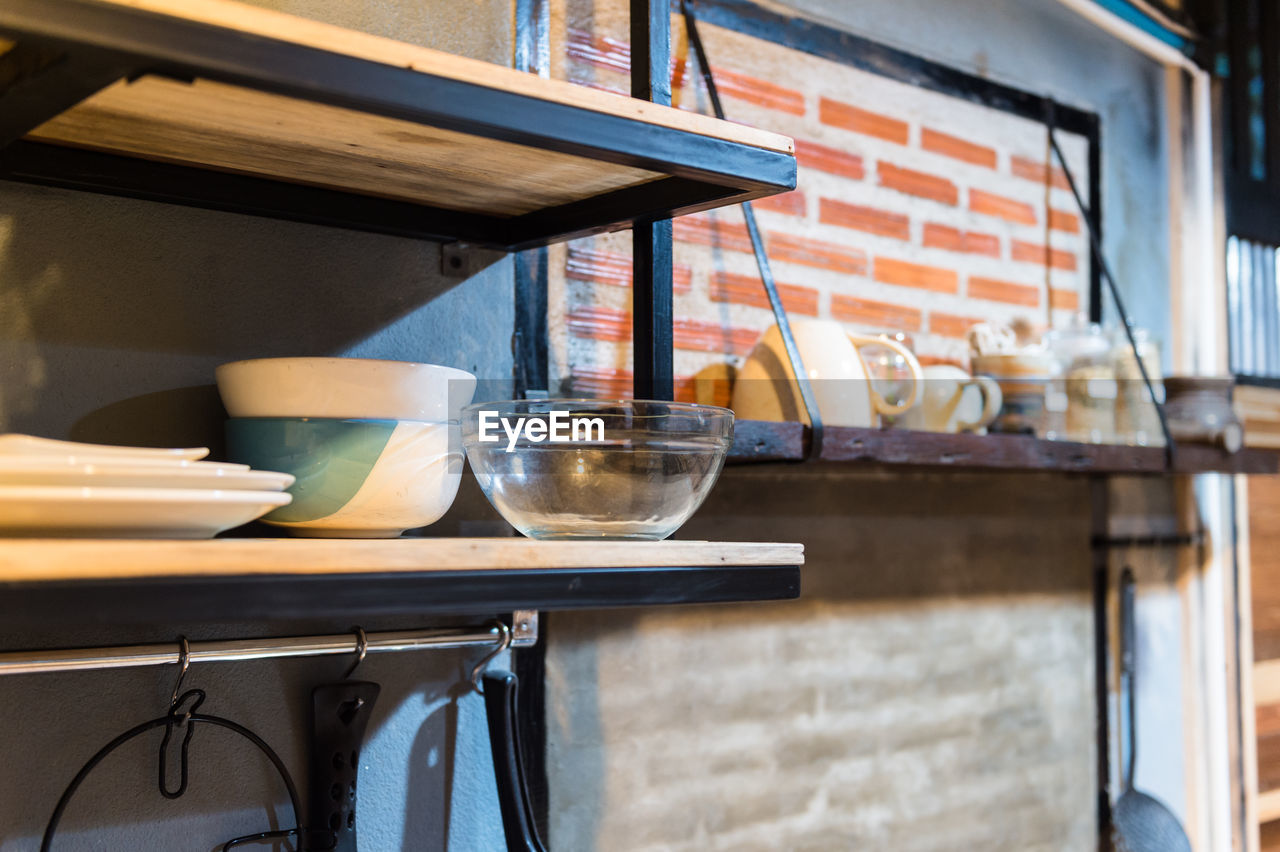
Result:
[[652, 264], [189, 49], [1100, 587], [599, 214], [451, 593]]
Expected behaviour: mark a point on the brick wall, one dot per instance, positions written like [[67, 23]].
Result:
[[914, 211]]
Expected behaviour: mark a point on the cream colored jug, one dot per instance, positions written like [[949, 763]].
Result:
[[765, 387], [954, 401]]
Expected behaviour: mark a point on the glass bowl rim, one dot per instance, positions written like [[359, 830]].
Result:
[[682, 407]]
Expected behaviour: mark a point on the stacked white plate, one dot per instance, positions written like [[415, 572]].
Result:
[[62, 488]]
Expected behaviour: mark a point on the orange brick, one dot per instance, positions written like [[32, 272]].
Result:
[[904, 274], [759, 92], [811, 155], [600, 323], [991, 204], [1063, 220], [699, 336], [598, 267], [994, 290], [747, 290], [791, 203], [951, 325], [1061, 299], [1031, 169], [957, 148], [816, 253], [921, 184], [616, 383], [1026, 252], [600, 51], [849, 117], [601, 382], [872, 313], [703, 230], [870, 219], [954, 239]]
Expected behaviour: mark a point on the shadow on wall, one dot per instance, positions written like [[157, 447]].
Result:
[[407, 771], [899, 535], [103, 298]]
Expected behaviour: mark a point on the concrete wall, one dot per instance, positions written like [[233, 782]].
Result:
[[113, 314], [931, 691]]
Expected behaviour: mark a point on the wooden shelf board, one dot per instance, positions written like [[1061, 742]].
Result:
[[270, 24], [34, 560], [233, 129], [758, 441], [221, 86]]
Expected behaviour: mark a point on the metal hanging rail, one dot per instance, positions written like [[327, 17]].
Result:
[[128, 656]]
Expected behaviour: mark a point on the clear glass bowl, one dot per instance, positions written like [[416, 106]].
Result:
[[593, 469]]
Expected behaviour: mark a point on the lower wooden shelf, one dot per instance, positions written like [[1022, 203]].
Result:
[[45, 582], [759, 441]]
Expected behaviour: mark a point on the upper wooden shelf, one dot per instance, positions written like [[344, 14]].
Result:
[[758, 441], [220, 104], [46, 582]]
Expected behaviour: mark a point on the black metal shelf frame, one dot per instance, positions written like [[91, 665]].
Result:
[[57, 605], [68, 49]]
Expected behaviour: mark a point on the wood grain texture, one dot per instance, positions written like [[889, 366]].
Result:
[[1264, 551], [1269, 807], [757, 441], [37, 560], [248, 132], [1259, 408], [283, 27]]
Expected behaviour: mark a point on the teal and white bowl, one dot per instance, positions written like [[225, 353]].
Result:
[[354, 478]]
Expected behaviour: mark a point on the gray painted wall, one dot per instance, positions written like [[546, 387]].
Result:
[[113, 314]]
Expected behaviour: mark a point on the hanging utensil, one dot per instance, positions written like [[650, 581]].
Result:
[[178, 717], [1140, 823], [501, 691], [339, 717]]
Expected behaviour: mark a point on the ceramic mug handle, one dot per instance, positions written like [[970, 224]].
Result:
[[992, 400], [913, 366]]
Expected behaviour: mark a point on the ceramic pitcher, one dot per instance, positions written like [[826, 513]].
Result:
[[954, 401], [765, 387]]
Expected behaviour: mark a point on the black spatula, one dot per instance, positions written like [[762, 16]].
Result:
[[1140, 823]]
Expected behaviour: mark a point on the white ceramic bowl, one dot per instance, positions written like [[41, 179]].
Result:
[[344, 388], [355, 478]]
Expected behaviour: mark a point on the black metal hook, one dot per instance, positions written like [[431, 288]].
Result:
[[504, 642], [362, 649], [184, 664], [172, 719]]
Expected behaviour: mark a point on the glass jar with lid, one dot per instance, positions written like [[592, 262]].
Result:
[[1083, 390], [1137, 422]]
